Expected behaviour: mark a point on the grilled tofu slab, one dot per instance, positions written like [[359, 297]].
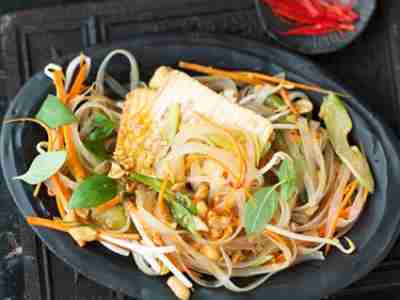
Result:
[[140, 142]]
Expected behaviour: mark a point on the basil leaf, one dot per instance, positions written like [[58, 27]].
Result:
[[259, 211], [97, 148], [103, 127], [152, 182], [93, 191], [183, 216], [338, 124], [44, 166], [54, 113], [287, 175]]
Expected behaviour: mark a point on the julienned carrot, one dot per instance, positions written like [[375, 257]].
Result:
[[62, 192], [274, 236], [35, 221], [160, 200], [124, 236], [285, 96], [348, 192], [108, 205], [73, 162], [77, 170], [217, 72], [60, 207], [58, 79], [253, 78], [78, 86]]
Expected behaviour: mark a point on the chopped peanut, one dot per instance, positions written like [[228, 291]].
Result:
[[70, 216], [177, 287], [201, 193], [178, 187], [311, 210], [156, 237], [237, 257], [130, 186], [216, 233], [116, 172], [211, 252], [202, 209]]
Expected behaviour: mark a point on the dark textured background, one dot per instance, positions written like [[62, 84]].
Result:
[[29, 39]]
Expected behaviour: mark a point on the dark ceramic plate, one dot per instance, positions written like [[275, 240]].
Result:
[[274, 25], [373, 234]]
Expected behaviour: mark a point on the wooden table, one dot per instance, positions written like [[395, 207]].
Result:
[[30, 39]]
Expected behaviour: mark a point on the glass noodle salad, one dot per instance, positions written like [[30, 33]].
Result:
[[204, 179]]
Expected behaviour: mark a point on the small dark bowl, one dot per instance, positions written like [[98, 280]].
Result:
[[274, 26], [374, 233]]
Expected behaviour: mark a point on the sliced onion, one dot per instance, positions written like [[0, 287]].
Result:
[[143, 266], [275, 160], [224, 85], [50, 69], [134, 74], [115, 249], [317, 255], [308, 238]]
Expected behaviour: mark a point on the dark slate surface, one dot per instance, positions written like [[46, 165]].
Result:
[[29, 39]]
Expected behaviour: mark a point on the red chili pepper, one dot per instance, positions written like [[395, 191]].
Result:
[[315, 17], [319, 29]]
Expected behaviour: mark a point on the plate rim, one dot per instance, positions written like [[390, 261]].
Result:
[[201, 40]]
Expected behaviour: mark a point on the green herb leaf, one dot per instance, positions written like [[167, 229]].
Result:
[[103, 128], [339, 125], [259, 211], [287, 175], [152, 182], [93, 191], [275, 101], [97, 148], [54, 113], [173, 120], [185, 201], [183, 216], [44, 166]]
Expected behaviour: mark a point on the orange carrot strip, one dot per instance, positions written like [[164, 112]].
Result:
[[60, 207], [348, 192], [125, 236], [275, 236], [285, 96], [280, 258], [108, 205], [62, 192], [160, 202], [253, 77], [218, 72], [58, 80], [41, 222], [73, 162], [78, 86]]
